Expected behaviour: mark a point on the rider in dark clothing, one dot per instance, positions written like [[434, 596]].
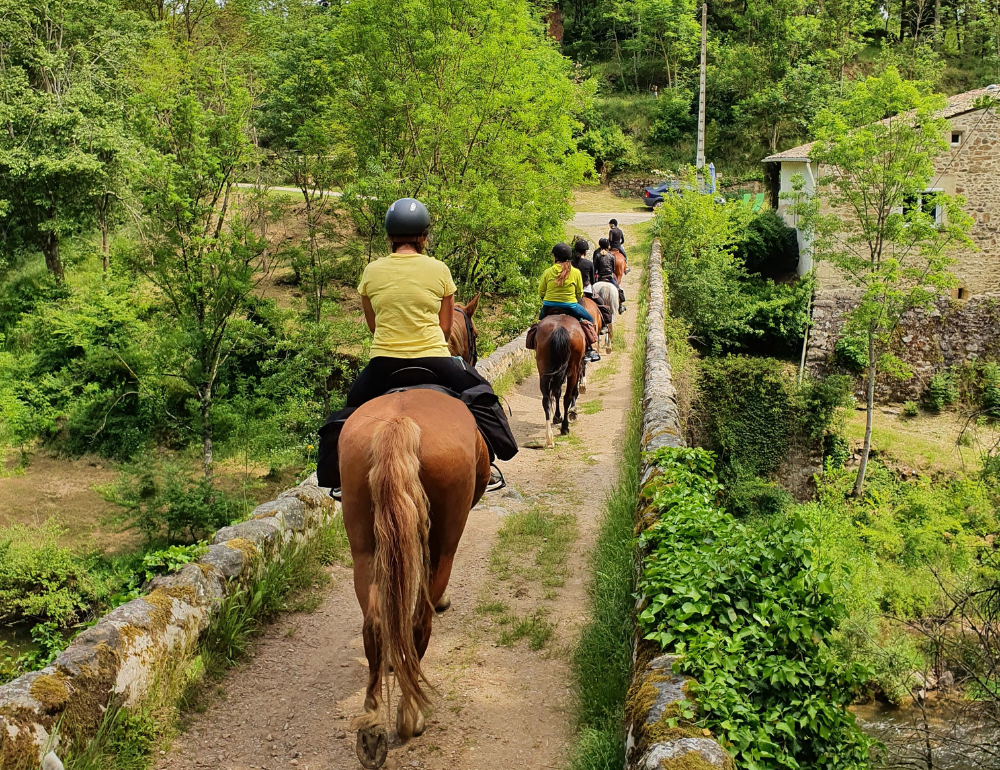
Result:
[[604, 266], [586, 268], [616, 237]]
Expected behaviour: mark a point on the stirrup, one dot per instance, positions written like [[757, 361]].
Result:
[[500, 483], [336, 493]]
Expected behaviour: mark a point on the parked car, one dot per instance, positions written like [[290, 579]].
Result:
[[653, 196]]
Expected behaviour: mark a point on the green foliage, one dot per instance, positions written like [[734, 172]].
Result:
[[612, 149], [672, 117], [709, 283], [40, 579], [890, 553], [819, 401], [851, 352], [910, 409], [753, 616], [879, 147], [942, 391], [749, 410], [167, 503], [769, 246]]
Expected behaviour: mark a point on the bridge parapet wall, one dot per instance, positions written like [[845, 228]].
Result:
[[658, 737], [131, 651]]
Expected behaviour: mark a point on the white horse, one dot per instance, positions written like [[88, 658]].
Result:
[[607, 292]]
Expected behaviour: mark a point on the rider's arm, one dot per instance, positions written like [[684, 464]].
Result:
[[578, 285], [366, 305], [447, 314], [543, 285]]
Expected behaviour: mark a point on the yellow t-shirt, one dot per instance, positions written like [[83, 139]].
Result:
[[570, 291], [406, 292]]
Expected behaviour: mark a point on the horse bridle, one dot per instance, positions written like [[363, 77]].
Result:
[[470, 333]]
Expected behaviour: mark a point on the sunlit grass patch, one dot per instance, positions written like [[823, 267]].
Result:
[[534, 546], [593, 406]]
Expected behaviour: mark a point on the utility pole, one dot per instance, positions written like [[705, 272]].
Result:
[[700, 160]]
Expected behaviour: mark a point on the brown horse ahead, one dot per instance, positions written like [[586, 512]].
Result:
[[459, 342], [620, 265], [559, 348], [418, 466]]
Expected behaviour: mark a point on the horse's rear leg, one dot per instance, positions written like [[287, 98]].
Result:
[[569, 402], [547, 406], [409, 718], [373, 740]]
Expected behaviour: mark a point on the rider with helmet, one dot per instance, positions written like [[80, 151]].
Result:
[[604, 266], [561, 288], [408, 299]]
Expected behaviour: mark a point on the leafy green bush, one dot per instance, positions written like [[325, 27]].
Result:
[[942, 391], [613, 150], [836, 450], [820, 401], [748, 410], [770, 246], [40, 579], [990, 400], [671, 117], [752, 617], [910, 409], [167, 503], [851, 352]]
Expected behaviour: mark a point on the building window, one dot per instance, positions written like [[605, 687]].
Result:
[[926, 202], [956, 138], [963, 293]]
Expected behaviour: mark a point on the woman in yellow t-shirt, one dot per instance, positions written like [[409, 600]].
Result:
[[409, 300]]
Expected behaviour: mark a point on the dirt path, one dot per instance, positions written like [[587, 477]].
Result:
[[497, 705]]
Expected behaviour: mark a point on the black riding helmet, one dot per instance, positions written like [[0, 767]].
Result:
[[407, 216], [581, 246], [604, 243], [562, 252]]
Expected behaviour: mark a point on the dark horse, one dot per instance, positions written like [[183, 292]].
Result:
[[421, 465], [559, 348]]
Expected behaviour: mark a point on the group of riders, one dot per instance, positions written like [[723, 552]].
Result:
[[408, 299]]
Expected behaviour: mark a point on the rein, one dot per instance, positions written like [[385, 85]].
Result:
[[471, 337]]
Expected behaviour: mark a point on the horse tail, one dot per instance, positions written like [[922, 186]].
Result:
[[559, 352], [401, 568]]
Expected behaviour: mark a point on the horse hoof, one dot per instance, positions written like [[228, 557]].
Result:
[[373, 746], [564, 431], [583, 386], [572, 417], [444, 603]]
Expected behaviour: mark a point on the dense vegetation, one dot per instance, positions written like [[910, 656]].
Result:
[[753, 618], [772, 66]]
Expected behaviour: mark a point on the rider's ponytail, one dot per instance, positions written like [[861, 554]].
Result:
[[563, 256], [563, 273]]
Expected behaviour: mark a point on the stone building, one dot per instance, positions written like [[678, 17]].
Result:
[[971, 169]]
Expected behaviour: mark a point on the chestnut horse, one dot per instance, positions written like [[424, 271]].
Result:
[[620, 265], [559, 347], [419, 465], [459, 342]]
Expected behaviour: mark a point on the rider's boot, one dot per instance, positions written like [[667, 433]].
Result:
[[591, 355], [496, 479]]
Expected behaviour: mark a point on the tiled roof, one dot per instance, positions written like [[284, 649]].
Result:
[[958, 104]]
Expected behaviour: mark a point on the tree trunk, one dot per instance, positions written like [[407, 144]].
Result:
[[859, 484], [50, 247], [937, 24], [902, 19], [206, 431], [105, 249]]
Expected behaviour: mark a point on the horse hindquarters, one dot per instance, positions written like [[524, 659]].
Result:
[[398, 594]]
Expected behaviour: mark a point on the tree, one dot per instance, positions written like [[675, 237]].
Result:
[[881, 231], [467, 106], [60, 109], [193, 114]]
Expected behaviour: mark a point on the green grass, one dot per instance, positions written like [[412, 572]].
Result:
[[535, 628], [514, 376], [534, 545], [602, 661], [593, 406]]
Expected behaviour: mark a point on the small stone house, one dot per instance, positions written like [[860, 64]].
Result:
[[970, 169], [959, 329]]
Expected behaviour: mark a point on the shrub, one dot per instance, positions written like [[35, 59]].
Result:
[[851, 352], [39, 578], [747, 496], [753, 618], [612, 149], [748, 411], [167, 503], [990, 400], [671, 117], [910, 409], [821, 399], [770, 246], [942, 391], [836, 450]]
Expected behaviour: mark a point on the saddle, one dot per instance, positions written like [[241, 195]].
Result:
[[481, 401], [589, 330]]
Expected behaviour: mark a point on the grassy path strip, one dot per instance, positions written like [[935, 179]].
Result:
[[602, 661]]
